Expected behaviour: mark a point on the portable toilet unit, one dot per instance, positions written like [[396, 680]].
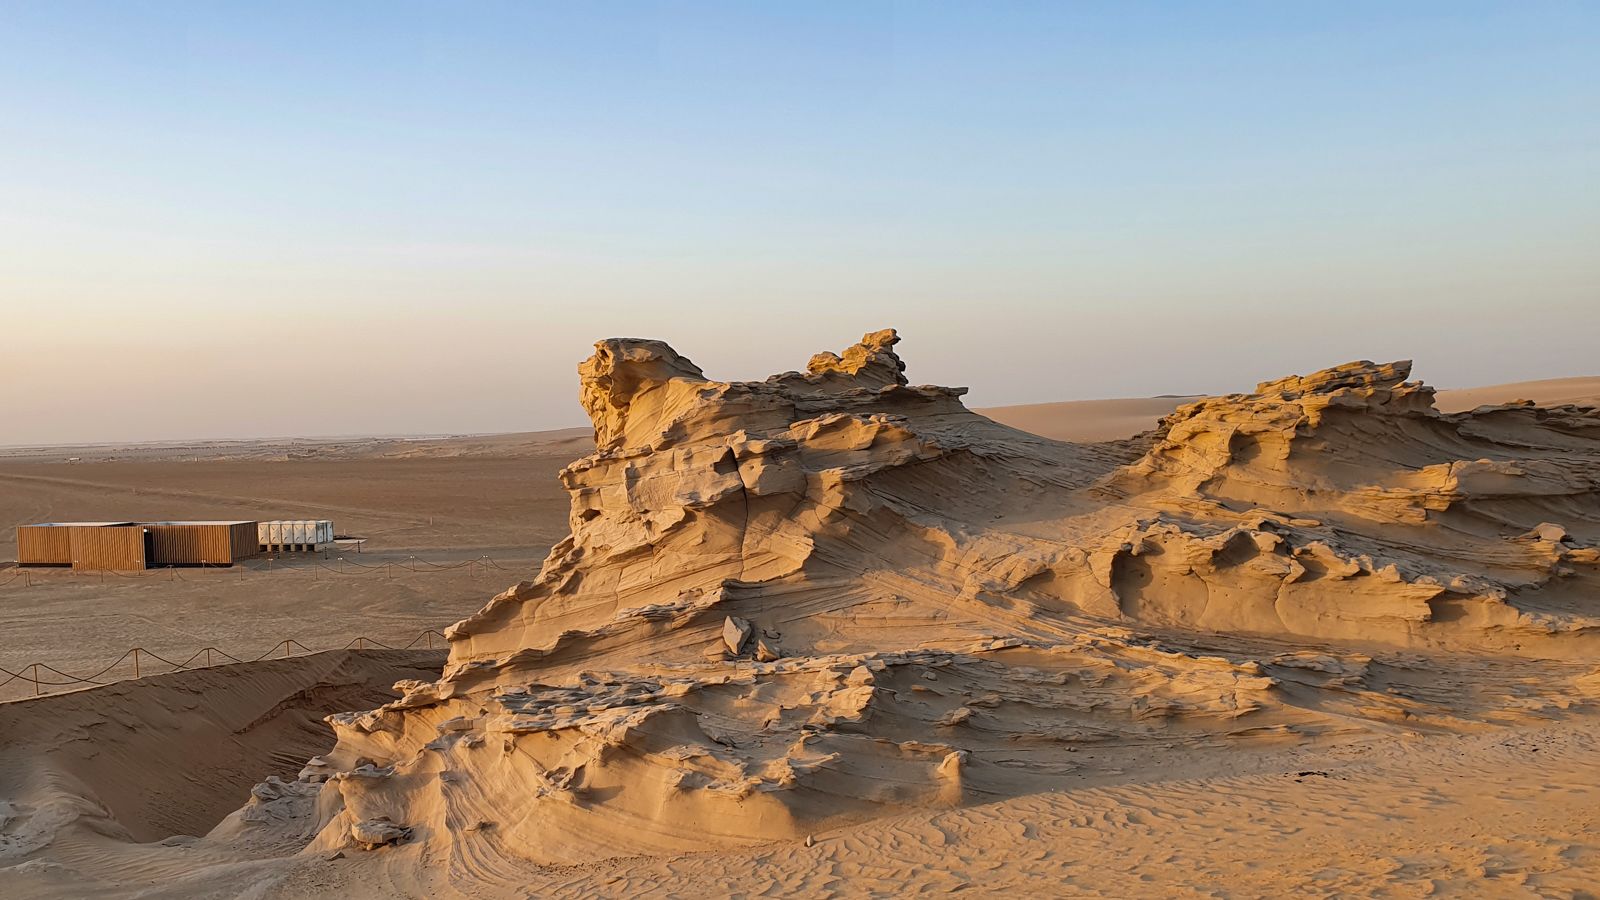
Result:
[[295, 535]]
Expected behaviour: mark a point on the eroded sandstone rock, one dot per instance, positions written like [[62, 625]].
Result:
[[961, 604], [377, 832]]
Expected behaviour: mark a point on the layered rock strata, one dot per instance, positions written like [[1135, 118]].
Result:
[[827, 596]]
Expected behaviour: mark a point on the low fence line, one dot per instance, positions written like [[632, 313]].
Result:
[[343, 567], [210, 653]]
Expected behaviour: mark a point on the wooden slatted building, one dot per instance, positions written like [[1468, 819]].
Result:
[[50, 544], [115, 547], [202, 543], [136, 545]]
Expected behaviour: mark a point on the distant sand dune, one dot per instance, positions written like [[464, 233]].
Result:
[[1111, 420]]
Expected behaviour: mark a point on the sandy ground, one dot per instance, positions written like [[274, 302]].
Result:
[[443, 533], [1475, 811], [1413, 818], [1396, 818]]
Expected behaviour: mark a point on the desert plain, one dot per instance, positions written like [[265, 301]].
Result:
[[833, 634]]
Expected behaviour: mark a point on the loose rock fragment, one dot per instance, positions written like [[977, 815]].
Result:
[[735, 631]]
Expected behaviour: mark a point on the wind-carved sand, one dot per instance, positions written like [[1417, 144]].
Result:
[[834, 600], [832, 596]]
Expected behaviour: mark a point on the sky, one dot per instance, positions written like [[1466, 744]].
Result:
[[252, 220]]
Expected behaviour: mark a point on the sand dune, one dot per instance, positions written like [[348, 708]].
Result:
[[101, 787], [832, 632], [1111, 420], [1086, 420]]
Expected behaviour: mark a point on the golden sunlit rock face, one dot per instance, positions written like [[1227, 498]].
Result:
[[832, 595]]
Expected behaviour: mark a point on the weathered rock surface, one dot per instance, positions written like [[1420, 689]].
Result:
[[374, 833], [963, 606]]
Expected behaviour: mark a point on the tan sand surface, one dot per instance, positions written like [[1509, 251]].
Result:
[[833, 634], [426, 520], [1110, 420], [1086, 420]]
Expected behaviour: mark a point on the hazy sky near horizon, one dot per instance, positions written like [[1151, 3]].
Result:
[[433, 209]]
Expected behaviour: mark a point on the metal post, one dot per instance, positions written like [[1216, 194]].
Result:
[[208, 656], [285, 649], [136, 662], [37, 689]]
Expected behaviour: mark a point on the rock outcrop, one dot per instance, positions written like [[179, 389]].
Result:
[[830, 595]]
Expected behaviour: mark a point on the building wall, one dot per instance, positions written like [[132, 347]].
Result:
[[217, 544], [243, 537], [118, 547], [44, 545]]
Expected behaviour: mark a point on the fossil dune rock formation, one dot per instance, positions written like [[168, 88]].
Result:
[[833, 595]]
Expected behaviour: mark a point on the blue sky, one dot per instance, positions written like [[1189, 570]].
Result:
[[440, 206]]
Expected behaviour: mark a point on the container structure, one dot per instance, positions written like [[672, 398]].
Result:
[[294, 535], [141, 545], [114, 547], [50, 543], [201, 543]]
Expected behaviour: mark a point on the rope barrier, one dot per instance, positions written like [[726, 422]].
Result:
[[280, 650]]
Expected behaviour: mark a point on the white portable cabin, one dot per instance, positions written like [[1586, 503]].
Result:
[[302, 535]]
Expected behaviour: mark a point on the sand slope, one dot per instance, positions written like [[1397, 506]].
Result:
[[86, 777]]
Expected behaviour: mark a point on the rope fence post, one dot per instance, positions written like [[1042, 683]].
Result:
[[136, 662], [37, 690]]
